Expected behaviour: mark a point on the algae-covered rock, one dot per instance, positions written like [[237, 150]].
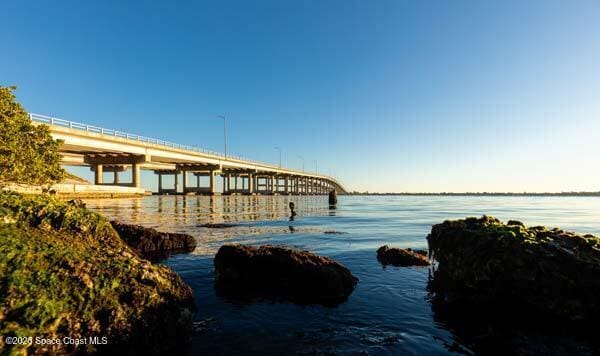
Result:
[[546, 270], [64, 272], [401, 257], [151, 243], [274, 271]]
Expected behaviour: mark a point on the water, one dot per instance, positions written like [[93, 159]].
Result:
[[389, 312]]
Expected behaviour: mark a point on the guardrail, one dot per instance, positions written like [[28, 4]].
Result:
[[48, 120]]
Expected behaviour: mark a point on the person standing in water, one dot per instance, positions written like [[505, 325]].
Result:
[[292, 212]]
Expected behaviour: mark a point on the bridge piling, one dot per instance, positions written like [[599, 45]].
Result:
[[98, 174]]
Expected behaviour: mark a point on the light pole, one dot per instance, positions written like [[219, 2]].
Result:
[[316, 170], [302, 158], [279, 149], [224, 132]]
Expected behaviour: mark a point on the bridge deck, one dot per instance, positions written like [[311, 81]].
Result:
[[111, 150]]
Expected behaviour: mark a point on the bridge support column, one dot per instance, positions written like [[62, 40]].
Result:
[[115, 177], [176, 178], [211, 182], [98, 174], [136, 179], [184, 181], [286, 185], [159, 183], [250, 184]]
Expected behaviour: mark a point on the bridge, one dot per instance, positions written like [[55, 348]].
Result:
[[106, 150]]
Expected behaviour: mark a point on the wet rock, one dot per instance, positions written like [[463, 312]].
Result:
[[281, 272], [401, 257], [482, 260], [69, 267], [151, 243], [77, 203], [419, 252], [217, 225], [515, 222], [334, 232]]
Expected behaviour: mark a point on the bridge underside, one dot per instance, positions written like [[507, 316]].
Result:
[[197, 178]]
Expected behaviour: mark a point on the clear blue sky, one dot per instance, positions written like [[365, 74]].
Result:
[[387, 95]]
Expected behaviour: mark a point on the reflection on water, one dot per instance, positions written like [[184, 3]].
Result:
[[389, 312], [186, 214]]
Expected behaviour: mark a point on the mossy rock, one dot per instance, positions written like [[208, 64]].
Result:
[[547, 270], [64, 272]]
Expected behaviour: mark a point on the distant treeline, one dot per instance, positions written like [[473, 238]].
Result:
[[491, 194]]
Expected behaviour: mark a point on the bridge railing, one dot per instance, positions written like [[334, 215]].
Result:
[[48, 120]]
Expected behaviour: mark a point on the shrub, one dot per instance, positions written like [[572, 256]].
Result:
[[28, 153]]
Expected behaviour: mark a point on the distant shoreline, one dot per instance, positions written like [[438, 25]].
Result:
[[485, 194]]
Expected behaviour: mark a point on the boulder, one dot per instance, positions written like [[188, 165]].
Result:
[[281, 272], [66, 274], [151, 243], [402, 257], [553, 272]]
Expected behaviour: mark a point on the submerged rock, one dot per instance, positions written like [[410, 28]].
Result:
[[402, 257], [151, 243], [334, 232], [218, 225], [483, 260], [274, 271]]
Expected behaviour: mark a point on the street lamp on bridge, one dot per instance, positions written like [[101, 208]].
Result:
[[302, 158], [224, 131], [279, 149]]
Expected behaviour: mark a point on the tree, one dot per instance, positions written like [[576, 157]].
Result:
[[28, 153]]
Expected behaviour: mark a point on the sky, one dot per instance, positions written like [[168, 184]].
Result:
[[388, 96]]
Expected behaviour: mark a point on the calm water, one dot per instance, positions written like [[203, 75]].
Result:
[[388, 313]]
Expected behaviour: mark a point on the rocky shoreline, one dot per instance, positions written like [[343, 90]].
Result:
[[74, 273], [549, 271], [71, 275]]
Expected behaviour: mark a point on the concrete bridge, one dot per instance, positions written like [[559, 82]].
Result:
[[105, 150]]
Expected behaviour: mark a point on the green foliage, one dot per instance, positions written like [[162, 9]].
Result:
[[28, 153], [65, 272]]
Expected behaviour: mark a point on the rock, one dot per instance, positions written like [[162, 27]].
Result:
[[217, 225], [151, 243], [333, 197], [78, 203], [515, 222], [400, 257], [482, 260], [281, 272], [76, 279]]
